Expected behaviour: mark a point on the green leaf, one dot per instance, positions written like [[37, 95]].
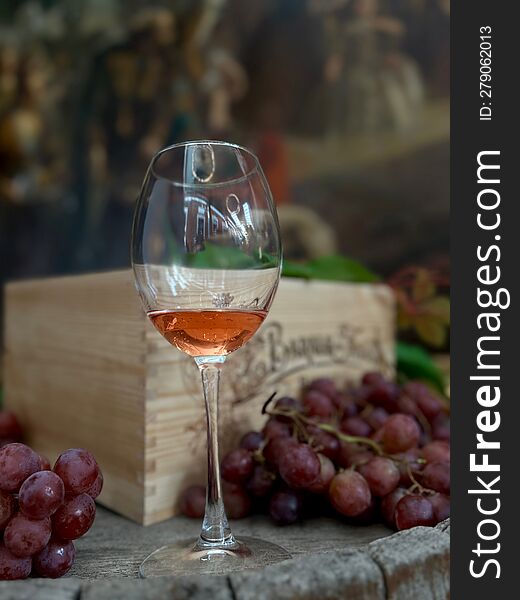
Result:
[[415, 363], [331, 268], [292, 269], [223, 257]]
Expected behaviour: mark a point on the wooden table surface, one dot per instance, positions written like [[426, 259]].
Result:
[[330, 560]]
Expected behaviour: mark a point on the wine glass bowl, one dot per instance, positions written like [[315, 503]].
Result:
[[206, 255], [206, 238]]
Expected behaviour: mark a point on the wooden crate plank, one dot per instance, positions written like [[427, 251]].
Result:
[[75, 374]]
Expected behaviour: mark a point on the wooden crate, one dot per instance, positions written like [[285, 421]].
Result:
[[84, 367]]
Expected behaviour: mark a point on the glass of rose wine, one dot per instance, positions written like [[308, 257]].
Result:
[[206, 255]]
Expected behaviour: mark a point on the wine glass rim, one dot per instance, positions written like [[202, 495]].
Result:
[[206, 185]]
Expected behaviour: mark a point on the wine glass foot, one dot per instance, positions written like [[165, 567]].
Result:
[[186, 558]]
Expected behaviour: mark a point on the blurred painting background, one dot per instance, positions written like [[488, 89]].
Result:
[[346, 102]]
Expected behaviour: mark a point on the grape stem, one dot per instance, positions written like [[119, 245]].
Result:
[[300, 419], [354, 439], [267, 402], [415, 484]]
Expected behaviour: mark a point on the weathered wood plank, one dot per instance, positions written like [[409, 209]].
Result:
[[415, 564], [162, 588], [115, 547], [444, 526], [331, 560], [41, 589], [346, 573]]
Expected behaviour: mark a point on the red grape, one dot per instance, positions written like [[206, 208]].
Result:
[[356, 426], [237, 466], [338, 400], [17, 462], [13, 567], [388, 504], [414, 389], [24, 537], [193, 501], [413, 510], [318, 404], [382, 475], [346, 452], [384, 394], [441, 427], [55, 559], [424, 439], [288, 403], [400, 433], [74, 517], [428, 403], [436, 476], [437, 451], [361, 458], [41, 494], [353, 454], [78, 469], [373, 378], [377, 417], [430, 406], [7, 509], [261, 483], [327, 472], [275, 428], [349, 408], [252, 440], [349, 493], [377, 436], [299, 465], [410, 463], [324, 442], [45, 463], [95, 489], [276, 447], [441, 506], [407, 406], [10, 427], [324, 385], [285, 507], [359, 395], [236, 500]]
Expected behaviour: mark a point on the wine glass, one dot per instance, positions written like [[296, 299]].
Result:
[[206, 255]]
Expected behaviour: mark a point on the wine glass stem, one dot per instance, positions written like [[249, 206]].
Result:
[[215, 527]]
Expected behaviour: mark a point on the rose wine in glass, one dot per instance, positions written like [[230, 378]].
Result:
[[207, 256], [207, 332]]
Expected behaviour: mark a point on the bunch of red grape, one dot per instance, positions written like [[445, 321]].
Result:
[[375, 452], [42, 511]]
